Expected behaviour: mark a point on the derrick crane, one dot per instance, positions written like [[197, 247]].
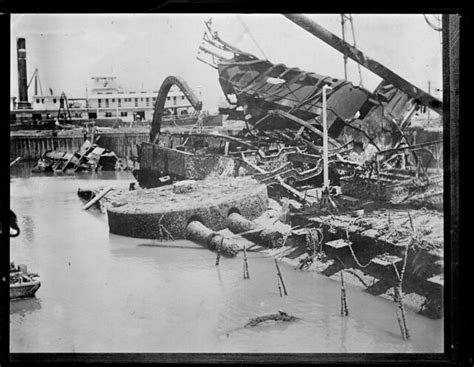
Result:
[[161, 100], [63, 109], [37, 79], [348, 18]]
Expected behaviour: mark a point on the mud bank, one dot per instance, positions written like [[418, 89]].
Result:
[[372, 251], [383, 242]]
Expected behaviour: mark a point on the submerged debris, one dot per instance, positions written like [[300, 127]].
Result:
[[90, 157], [280, 316]]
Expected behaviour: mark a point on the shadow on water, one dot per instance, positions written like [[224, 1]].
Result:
[[262, 328], [25, 306], [28, 226]]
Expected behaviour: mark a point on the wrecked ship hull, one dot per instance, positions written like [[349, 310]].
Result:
[[88, 157], [261, 86]]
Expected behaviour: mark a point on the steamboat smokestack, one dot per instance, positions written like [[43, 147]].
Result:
[[22, 82]]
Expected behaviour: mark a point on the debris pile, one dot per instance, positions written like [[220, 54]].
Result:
[[90, 157], [279, 316]]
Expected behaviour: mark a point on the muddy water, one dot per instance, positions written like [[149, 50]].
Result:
[[106, 293]]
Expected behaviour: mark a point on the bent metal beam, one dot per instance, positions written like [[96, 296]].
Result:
[[161, 100], [350, 51]]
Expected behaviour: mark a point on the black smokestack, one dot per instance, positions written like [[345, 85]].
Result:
[[22, 82]]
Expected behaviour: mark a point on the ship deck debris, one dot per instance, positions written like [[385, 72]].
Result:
[[90, 157]]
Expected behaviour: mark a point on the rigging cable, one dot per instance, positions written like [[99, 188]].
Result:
[[251, 36]]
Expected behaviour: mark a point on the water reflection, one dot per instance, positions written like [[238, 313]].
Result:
[[28, 227], [25, 306], [219, 276], [24, 169], [344, 321]]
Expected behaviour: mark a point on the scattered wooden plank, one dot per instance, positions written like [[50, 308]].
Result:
[[68, 161], [386, 260], [15, 161], [98, 197], [437, 279], [300, 232], [292, 190], [337, 244]]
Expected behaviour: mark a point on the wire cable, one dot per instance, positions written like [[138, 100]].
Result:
[[251, 36]]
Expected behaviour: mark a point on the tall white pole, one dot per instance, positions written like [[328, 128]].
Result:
[[325, 139]]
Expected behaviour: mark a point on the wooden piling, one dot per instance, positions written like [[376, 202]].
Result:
[[344, 309], [33, 146], [403, 322], [246, 265], [280, 277], [218, 258], [28, 149]]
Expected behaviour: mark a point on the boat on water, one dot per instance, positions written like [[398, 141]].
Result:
[[22, 283]]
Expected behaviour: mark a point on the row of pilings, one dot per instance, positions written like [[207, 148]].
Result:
[[124, 145]]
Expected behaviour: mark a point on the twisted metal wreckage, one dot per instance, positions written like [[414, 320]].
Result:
[[282, 107]]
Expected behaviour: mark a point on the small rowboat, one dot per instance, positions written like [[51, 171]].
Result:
[[23, 284]]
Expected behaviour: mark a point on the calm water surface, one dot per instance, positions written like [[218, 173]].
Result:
[[105, 293]]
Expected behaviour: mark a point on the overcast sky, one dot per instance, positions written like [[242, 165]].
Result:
[[143, 49]]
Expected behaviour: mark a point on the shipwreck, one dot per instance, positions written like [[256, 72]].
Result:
[[282, 143], [90, 157], [195, 182]]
